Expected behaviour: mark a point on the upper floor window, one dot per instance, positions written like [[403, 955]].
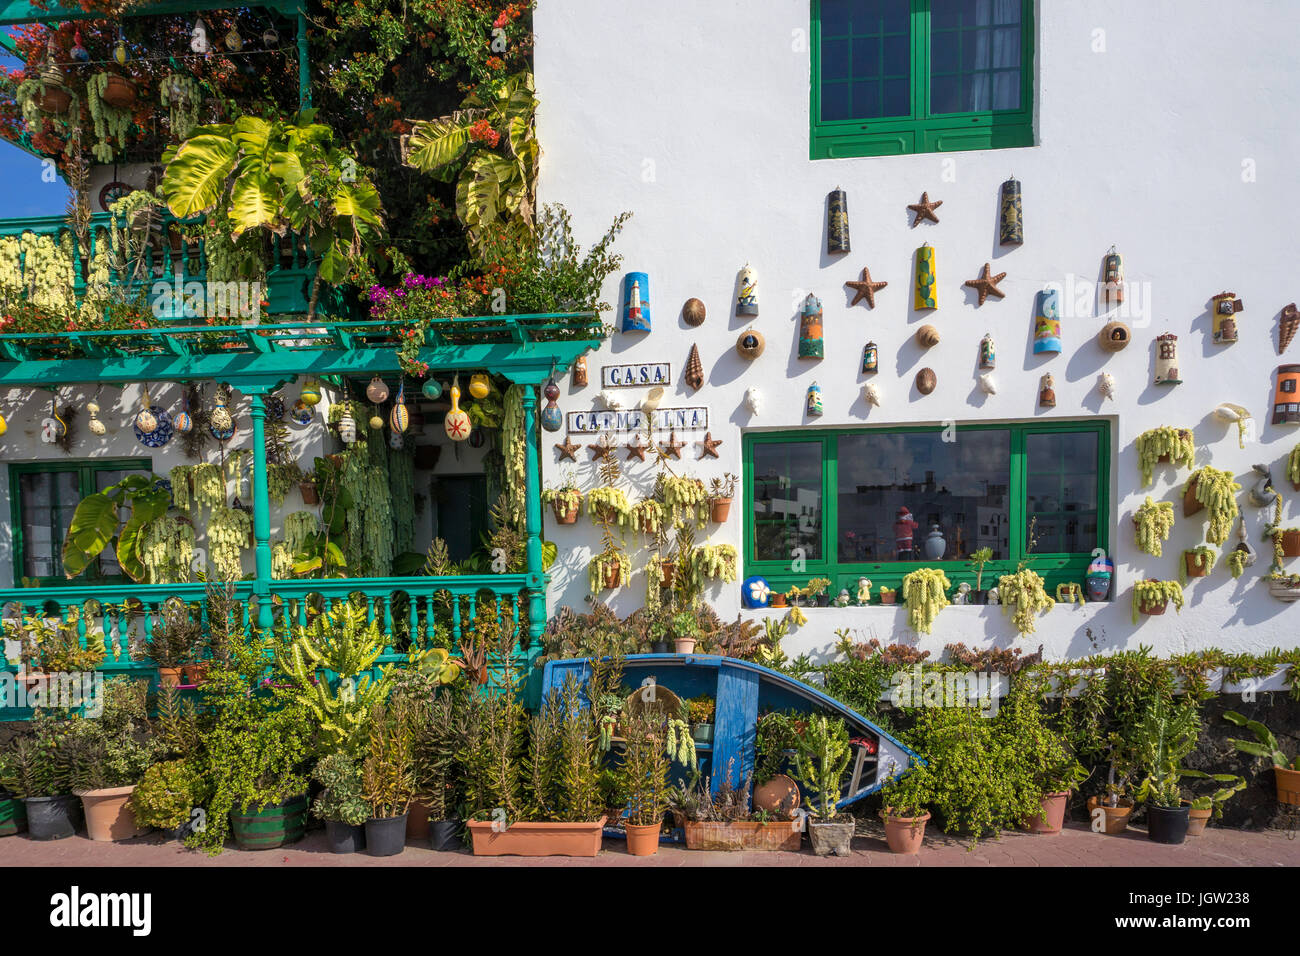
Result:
[[920, 76]]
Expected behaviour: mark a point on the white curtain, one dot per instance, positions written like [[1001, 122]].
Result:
[[997, 47]]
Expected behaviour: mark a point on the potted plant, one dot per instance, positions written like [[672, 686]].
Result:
[[13, 814], [1214, 489], [1165, 445], [341, 802], [700, 711], [820, 760], [1202, 806], [1196, 563], [658, 632], [720, 819], [175, 636], [565, 501], [169, 797], [925, 592], [110, 98], [1114, 802], [1286, 770], [1024, 591], [888, 595], [686, 631], [1153, 521], [1293, 467], [108, 756], [39, 775], [307, 488], [1069, 592], [1151, 597], [977, 560], [608, 570], [608, 506], [435, 718], [1166, 736], [388, 779], [721, 492], [904, 813], [1055, 771], [644, 781], [817, 590]]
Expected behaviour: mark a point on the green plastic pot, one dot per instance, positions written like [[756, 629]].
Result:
[[268, 827], [13, 817]]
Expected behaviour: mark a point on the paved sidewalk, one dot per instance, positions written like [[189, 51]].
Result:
[[1075, 846]]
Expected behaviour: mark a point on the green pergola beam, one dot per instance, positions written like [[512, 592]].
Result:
[[13, 12]]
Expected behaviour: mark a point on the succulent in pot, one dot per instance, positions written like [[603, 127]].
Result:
[[565, 502], [1286, 770], [685, 627], [821, 756], [341, 803], [388, 777]]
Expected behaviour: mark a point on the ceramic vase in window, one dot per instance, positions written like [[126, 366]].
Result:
[[810, 328], [747, 292], [1047, 322], [1167, 360], [636, 302], [935, 543]]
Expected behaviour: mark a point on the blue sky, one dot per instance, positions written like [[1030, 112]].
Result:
[[22, 191]]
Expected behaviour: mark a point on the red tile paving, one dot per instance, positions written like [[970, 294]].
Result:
[[1075, 846]]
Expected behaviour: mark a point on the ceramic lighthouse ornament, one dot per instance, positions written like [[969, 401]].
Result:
[[814, 401], [457, 422], [636, 302], [810, 328]]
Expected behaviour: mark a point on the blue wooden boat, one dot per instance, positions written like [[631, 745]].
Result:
[[743, 690]]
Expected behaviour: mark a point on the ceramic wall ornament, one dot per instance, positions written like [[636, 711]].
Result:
[[183, 422], [1262, 493], [988, 352], [636, 302], [1098, 578], [377, 391], [1223, 313], [302, 414], [753, 400], [755, 592], [347, 426], [432, 390], [672, 448], [872, 394], [399, 419], [1112, 275], [987, 283], [456, 424], [145, 420], [1106, 385], [693, 313], [552, 417], [1286, 396], [709, 445], [1114, 336], [376, 422], [221, 424], [926, 381], [1047, 322], [813, 403], [4, 425], [988, 384], [96, 426], [1167, 360], [161, 433], [811, 344], [694, 373], [479, 385], [750, 344], [1047, 391], [747, 291], [865, 288], [310, 392], [636, 449], [1011, 224], [568, 449], [610, 400], [579, 376], [1287, 324], [837, 221], [927, 336], [652, 399], [927, 290], [925, 209], [870, 358]]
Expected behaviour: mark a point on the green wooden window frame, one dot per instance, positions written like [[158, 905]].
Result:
[[1055, 567], [86, 472], [923, 131]]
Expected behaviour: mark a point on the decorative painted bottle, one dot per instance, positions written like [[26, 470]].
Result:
[[810, 328]]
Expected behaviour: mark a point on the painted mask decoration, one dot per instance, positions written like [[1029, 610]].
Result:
[[1097, 580]]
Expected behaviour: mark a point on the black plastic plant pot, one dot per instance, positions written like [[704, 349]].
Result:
[[659, 647], [52, 818], [979, 597], [386, 836], [444, 835], [1167, 824], [823, 600], [343, 838]]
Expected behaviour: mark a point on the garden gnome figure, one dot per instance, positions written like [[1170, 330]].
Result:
[[904, 527]]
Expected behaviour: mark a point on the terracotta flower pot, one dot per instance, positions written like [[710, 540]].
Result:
[[719, 508], [564, 515], [1051, 818], [888, 597], [684, 645], [119, 92], [612, 575], [779, 796], [169, 676], [667, 571], [778, 600], [1196, 566], [55, 99], [904, 834], [1288, 785], [108, 814], [1116, 817], [536, 839], [1291, 543], [1197, 820], [194, 674], [308, 491], [643, 839], [1152, 608], [1190, 505]]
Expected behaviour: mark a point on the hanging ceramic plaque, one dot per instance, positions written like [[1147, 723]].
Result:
[[927, 292], [1011, 228], [1223, 313], [813, 404], [1047, 322], [1286, 396], [1112, 272], [988, 352], [747, 292], [1167, 360], [579, 377], [636, 302], [837, 221], [870, 358], [810, 328]]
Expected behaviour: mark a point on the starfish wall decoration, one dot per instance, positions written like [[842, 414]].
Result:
[[635, 449], [568, 449], [925, 209], [709, 446], [602, 450], [986, 284], [865, 288], [672, 448]]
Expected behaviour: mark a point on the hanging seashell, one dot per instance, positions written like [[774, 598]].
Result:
[[753, 400], [399, 418], [694, 374], [479, 385], [456, 424], [988, 384], [1106, 385], [377, 391], [927, 336], [610, 400], [872, 394], [926, 381]]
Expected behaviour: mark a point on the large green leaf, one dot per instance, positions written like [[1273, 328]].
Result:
[[251, 134], [195, 179], [287, 166], [254, 203], [335, 263], [145, 509], [94, 522], [360, 201], [438, 142]]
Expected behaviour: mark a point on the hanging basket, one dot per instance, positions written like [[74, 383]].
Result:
[[119, 92], [54, 100]]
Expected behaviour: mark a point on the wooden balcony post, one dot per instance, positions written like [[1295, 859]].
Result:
[[533, 519]]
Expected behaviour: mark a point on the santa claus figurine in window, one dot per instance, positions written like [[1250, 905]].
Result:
[[904, 526]]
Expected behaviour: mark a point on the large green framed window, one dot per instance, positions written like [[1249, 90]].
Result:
[[920, 76], [877, 502], [42, 496]]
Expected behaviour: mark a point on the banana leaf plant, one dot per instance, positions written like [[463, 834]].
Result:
[[96, 520], [281, 176], [490, 147]]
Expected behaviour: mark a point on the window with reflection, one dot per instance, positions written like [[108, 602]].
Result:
[[1061, 492], [787, 495]]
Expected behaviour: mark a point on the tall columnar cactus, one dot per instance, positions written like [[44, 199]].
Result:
[[823, 754]]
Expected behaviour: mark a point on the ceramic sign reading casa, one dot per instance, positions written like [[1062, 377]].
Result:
[[625, 376], [665, 419]]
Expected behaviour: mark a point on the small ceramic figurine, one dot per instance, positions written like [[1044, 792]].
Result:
[[814, 403], [1046, 392], [994, 597], [579, 377], [864, 591], [842, 599], [904, 527], [963, 594]]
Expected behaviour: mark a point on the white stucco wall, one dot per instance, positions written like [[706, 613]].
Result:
[[1176, 142]]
